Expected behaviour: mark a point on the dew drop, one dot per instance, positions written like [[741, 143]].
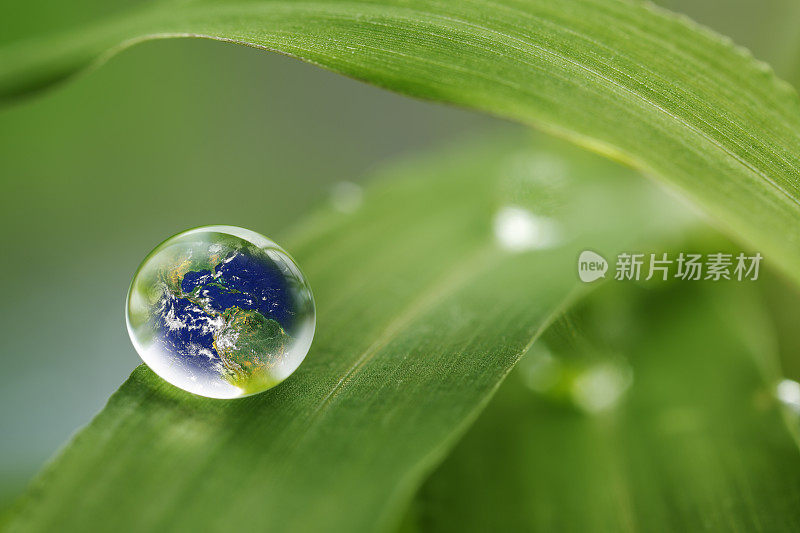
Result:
[[221, 312], [346, 197], [517, 230], [600, 387], [788, 393], [541, 371], [591, 386]]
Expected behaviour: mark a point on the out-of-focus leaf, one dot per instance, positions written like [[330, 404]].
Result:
[[621, 77], [427, 296], [644, 412]]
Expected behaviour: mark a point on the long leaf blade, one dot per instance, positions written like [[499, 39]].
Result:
[[620, 77], [697, 441], [421, 315]]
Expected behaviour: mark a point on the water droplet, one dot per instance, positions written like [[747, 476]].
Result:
[[600, 387], [346, 197], [517, 230], [788, 393], [541, 371], [592, 386], [220, 311]]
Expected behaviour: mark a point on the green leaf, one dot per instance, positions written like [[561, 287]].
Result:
[[421, 314], [696, 440], [621, 77]]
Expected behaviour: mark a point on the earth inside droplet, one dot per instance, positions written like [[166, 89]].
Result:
[[220, 311]]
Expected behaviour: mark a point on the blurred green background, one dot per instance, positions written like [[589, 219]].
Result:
[[180, 133]]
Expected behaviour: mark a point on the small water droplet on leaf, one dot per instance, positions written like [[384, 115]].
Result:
[[518, 230], [346, 197]]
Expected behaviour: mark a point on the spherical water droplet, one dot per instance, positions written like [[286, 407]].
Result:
[[347, 197], [518, 230], [220, 311], [788, 392]]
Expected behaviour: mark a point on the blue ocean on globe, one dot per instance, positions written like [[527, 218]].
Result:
[[223, 315], [238, 281]]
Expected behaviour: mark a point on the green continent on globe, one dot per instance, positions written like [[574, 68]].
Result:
[[220, 313], [250, 346]]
